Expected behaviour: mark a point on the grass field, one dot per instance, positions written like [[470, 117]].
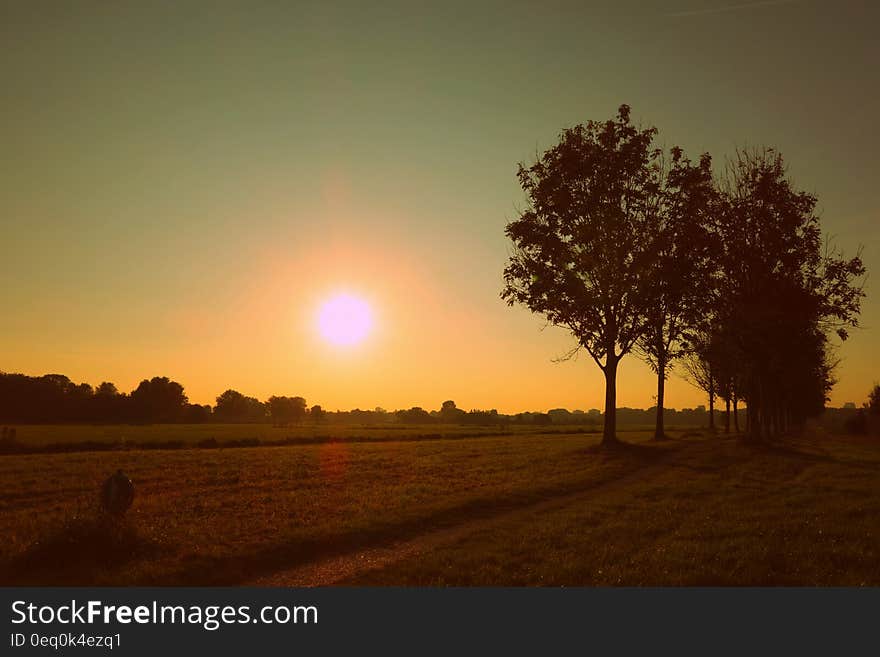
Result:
[[524, 509], [86, 437]]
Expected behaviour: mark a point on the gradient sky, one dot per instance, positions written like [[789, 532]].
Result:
[[181, 186]]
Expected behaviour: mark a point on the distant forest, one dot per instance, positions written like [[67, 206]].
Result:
[[55, 399]]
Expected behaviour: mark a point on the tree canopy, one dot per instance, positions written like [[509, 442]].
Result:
[[602, 208], [631, 248], [783, 293]]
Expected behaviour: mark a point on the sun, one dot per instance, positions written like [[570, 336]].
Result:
[[345, 320]]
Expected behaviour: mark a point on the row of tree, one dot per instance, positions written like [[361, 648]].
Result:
[[54, 398], [637, 249]]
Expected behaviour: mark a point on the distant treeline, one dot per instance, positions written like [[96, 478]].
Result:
[[55, 399]]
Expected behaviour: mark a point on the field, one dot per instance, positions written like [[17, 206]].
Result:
[[83, 437], [517, 509]]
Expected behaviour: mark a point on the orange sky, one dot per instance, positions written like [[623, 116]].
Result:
[[181, 188]]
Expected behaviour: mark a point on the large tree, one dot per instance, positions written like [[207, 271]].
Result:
[[684, 268], [786, 292], [583, 250]]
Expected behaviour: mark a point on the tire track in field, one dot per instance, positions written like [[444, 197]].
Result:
[[332, 570]]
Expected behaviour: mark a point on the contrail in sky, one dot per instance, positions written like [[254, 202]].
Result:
[[718, 10]]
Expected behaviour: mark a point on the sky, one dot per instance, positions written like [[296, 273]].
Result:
[[183, 185]]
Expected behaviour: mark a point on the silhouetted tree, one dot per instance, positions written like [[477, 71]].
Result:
[[196, 413], [317, 414], [683, 269], [873, 404], [783, 293], [106, 389], [232, 406], [158, 400], [48, 398], [700, 363], [450, 414], [560, 416], [414, 415], [285, 410], [108, 405], [584, 256]]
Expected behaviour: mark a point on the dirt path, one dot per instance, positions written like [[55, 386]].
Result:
[[332, 570]]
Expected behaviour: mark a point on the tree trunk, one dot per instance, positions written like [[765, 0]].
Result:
[[659, 433], [727, 415], [711, 402], [735, 414], [756, 411], [609, 435]]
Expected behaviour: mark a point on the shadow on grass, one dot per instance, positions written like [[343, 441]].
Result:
[[98, 551], [89, 550], [297, 551], [781, 447], [81, 550], [635, 452]]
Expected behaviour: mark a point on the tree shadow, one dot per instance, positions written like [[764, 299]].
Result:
[[82, 549], [784, 449], [635, 452]]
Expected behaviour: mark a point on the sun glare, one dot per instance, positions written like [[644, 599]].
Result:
[[344, 320]]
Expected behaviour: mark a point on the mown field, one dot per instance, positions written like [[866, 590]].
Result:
[[523, 509], [125, 436]]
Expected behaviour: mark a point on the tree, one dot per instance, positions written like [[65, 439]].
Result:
[[232, 406], [55, 398], [784, 294], [450, 414], [583, 252], [196, 413], [285, 410], [683, 266], [107, 404], [158, 400], [700, 363], [106, 389], [873, 404], [317, 413], [415, 415]]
